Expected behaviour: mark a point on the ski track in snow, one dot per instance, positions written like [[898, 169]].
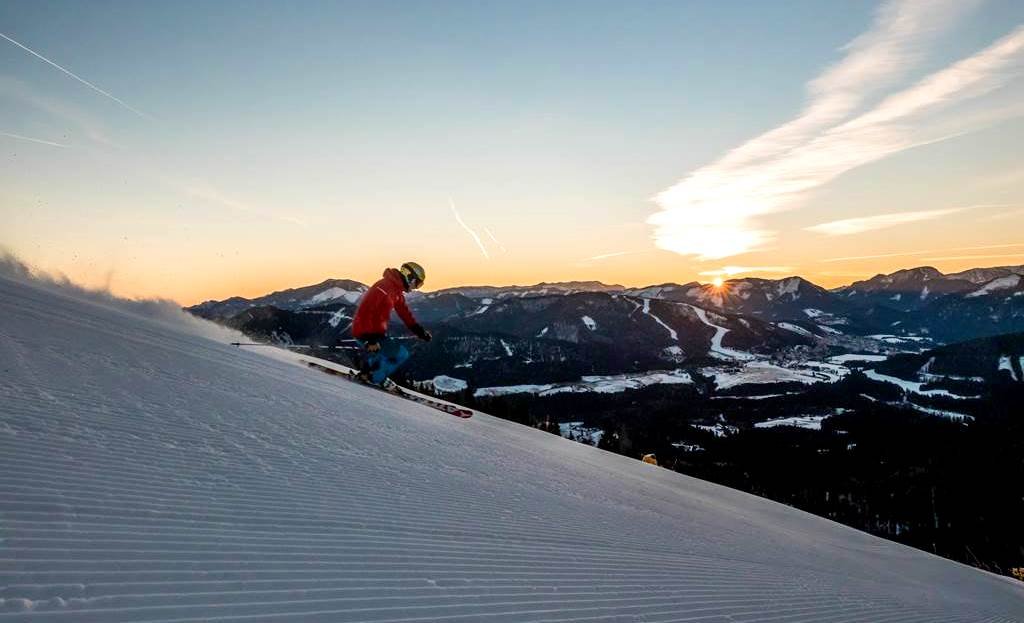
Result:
[[647, 311], [149, 474], [716, 339]]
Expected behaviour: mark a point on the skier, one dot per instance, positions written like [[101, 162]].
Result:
[[383, 355]]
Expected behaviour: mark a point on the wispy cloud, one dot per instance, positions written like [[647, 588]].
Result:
[[714, 211], [212, 195], [605, 256], [65, 113], [76, 77], [32, 140], [1006, 215], [921, 252], [846, 227], [972, 257], [729, 271], [495, 240], [476, 238]]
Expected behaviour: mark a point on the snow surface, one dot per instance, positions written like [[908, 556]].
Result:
[[812, 422], [647, 310], [911, 386], [718, 429], [150, 473], [756, 372], [673, 353], [611, 384], [789, 286], [589, 322], [1003, 283], [848, 357], [951, 415], [333, 294], [896, 339], [1006, 364], [448, 385], [578, 432], [336, 318], [716, 340], [788, 326]]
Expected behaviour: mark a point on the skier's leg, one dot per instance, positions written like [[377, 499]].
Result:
[[367, 362], [391, 356]]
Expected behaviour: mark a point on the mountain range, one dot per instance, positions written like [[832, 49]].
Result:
[[553, 332]]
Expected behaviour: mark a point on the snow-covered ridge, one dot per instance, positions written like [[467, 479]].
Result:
[[1003, 283], [334, 294], [150, 473]]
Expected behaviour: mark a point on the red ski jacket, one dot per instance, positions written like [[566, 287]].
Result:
[[375, 307]]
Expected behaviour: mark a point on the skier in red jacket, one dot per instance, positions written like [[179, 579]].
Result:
[[383, 355]]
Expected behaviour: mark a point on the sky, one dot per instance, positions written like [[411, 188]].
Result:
[[203, 150]]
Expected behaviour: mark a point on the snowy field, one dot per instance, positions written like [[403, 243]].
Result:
[[610, 384], [812, 422], [763, 372], [149, 472]]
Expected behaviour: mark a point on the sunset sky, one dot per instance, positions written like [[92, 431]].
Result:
[[203, 150]]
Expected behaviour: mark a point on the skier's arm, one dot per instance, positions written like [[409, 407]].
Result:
[[372, 341], [402, 309]]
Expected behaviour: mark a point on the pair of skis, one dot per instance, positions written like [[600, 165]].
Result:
[[455, 410]]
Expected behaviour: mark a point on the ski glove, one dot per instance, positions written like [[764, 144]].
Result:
[[421, 333]]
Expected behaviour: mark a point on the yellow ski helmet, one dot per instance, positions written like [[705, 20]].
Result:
[[414, 274]]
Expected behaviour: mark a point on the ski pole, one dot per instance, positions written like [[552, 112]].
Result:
[[294, 346]]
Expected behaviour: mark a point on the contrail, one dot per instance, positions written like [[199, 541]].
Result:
[[33, 140], [458, 218], [605, 256], [80, 79], [495, 240]]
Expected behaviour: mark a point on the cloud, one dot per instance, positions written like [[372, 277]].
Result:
[[605, 256], [729, 271], [921, 252], [850, 226], [33, 140], [76, 77], [212, 195], [62, 111], [972, 257], [472, 233], [1006, 215], [714, 212]]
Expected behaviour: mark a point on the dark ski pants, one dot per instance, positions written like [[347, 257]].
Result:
[[382, 363]]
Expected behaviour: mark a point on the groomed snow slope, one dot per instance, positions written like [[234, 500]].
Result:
[[148, 473]]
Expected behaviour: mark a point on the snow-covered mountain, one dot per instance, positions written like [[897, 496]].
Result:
[[151, 472], [323, 293], [551, 332], [984, 275], [906, 290], [540, 289], [989, 359]]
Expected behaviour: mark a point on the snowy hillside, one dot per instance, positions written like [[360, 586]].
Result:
[[149, 472]]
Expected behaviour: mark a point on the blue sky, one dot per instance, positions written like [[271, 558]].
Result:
[[258, 145]]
